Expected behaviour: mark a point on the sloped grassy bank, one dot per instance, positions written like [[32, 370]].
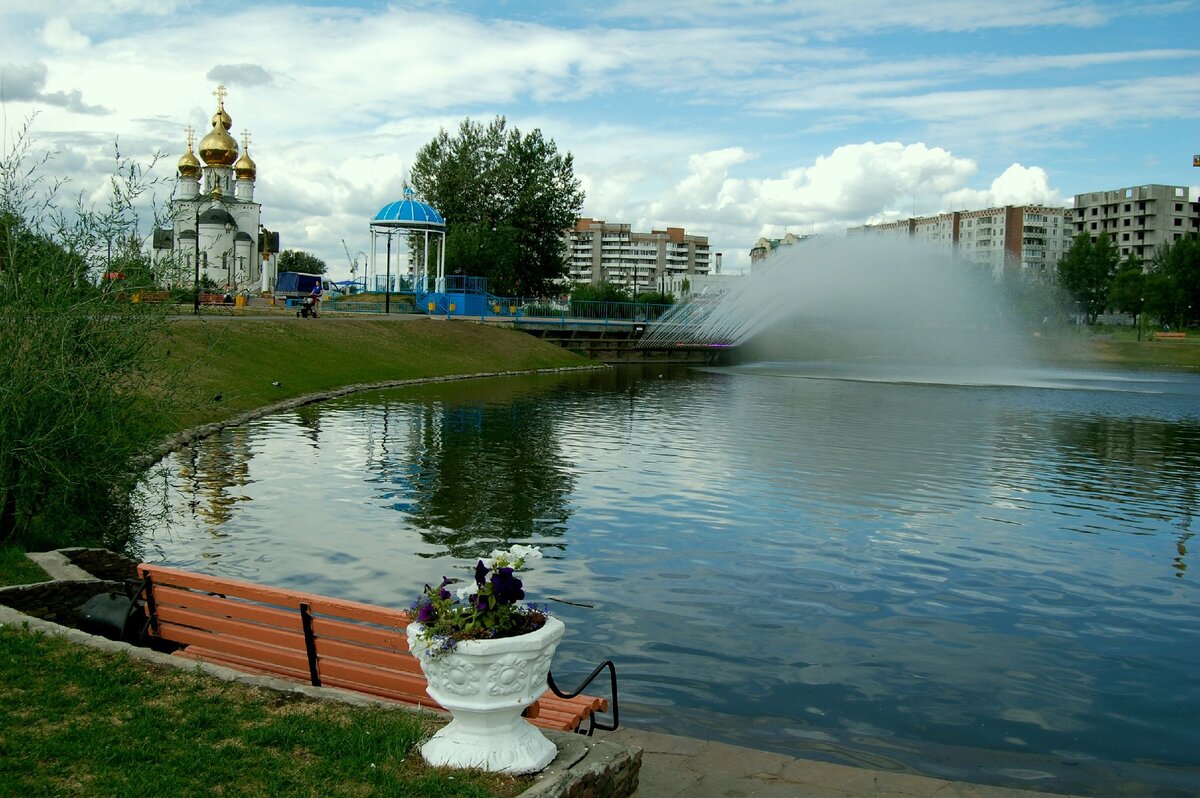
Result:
[[252, 362]]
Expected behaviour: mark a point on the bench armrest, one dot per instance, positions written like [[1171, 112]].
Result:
[[593, 724]]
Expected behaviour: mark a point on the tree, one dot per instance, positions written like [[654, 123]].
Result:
[[509, 197], [1178, 263], [1128, 293], [294, 260], [76, 363], [599, 292], [1086, 272], [655, 298]]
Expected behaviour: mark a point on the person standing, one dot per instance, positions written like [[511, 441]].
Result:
[[316, 298]]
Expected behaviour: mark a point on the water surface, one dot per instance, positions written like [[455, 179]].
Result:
[[973, 574]]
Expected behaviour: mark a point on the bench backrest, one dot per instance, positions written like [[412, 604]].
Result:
[[306, 637]]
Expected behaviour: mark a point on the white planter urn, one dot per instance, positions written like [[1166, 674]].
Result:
[[486, 685]]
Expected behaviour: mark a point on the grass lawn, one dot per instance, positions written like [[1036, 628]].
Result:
[[79, 721], [17, 569], [1116, 347], [241, 358]]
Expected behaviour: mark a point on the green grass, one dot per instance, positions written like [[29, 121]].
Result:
[[79, 721], [1116, 347], [241, 358], [17, 569]]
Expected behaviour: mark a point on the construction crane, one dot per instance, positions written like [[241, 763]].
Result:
[[353, 263]]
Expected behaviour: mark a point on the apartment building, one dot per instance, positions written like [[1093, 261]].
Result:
[[601, 251], [1138, 219], [1021, 239], [765, 246]]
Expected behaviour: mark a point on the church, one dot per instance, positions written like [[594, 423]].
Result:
[[217, 230]]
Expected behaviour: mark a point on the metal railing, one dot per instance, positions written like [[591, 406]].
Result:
[[517, 309]]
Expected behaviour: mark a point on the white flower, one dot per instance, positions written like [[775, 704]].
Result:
[[464, 592], [525, 552]]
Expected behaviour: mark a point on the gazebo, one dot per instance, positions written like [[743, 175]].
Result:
[[411, 217]]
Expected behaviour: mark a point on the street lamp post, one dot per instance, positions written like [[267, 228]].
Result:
[[387, 286], [196, 285]]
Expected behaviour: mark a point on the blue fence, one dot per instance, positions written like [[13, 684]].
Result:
[[467, 296]]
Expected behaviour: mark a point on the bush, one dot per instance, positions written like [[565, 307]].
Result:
[[600, 292], [76, 362]]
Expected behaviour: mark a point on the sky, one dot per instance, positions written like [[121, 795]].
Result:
[[733, 119]]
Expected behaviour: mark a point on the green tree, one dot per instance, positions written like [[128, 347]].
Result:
[[1086, 272], [599, 292], [479, 249], [1037, 301], [493, 182], [75, 362], [294, 260], [1179, 266], [1128, 293], [655, 298]]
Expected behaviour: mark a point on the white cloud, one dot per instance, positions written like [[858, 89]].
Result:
[[855, 181], [59, 35], [1018, 185], [835, 18]]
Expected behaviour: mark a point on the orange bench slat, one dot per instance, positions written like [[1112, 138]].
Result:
[[232, 628], [255, 666], [391, 638], [229, 607]]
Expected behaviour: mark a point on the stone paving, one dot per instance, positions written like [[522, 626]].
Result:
[[680, 766]]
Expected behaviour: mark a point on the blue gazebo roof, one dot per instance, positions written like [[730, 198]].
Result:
[[408, 212]]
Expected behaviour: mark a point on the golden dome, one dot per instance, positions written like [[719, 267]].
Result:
[[245, 168], [188, 165], [218, 148]]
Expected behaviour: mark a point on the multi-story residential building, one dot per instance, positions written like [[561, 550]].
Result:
[[1022, 239], [1138, 219], [765, 246], [601, 251]]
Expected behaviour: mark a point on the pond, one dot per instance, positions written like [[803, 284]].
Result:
[[971, 575]]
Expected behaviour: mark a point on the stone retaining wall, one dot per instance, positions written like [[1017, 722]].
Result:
[[58, 601], [102, 563]]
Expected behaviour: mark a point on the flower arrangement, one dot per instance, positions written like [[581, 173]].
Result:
[[484, 610]]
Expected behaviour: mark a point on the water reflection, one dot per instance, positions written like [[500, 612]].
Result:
[[473, 475], [974, 579]]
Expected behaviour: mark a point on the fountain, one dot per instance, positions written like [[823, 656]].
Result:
[[854, 299]]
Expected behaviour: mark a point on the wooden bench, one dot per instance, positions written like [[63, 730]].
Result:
[[214, 299], [323, 641], [1170, 336]]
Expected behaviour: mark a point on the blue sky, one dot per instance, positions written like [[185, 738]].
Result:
[[733, 119]]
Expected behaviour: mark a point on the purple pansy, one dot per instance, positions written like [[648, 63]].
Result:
[[506, 586]]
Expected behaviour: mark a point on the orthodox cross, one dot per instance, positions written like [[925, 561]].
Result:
[[191, 134], [220, 93], [246, 140]]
